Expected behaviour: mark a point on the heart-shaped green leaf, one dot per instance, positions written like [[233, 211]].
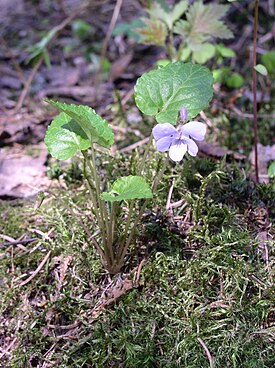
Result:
[[96, 128], [128, 187], [163, 92], [65, 137]]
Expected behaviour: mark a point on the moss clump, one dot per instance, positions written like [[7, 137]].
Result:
[[212, 297]]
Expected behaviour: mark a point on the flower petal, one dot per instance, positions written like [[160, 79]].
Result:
[[177, 150], [194, 129], [164, 143], [164, 130], [192, 147]]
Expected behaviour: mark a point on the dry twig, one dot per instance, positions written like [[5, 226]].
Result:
[[39, 268], [209, 356], [109, 34], [135, 145], [168, 202], [8, 348]]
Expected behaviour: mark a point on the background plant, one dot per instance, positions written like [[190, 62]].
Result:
[[197, 31]]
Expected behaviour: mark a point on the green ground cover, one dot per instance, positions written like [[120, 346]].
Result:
[[206, 282]]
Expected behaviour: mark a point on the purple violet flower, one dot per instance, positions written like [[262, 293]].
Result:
[[178, 141]]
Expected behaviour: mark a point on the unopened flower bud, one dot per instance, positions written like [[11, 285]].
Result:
[[183, 114]]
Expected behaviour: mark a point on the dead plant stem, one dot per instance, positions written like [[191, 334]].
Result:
[[27, 85], [108, 36], [254, 87]]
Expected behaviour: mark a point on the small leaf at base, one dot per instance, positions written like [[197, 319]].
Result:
[[128, 187]]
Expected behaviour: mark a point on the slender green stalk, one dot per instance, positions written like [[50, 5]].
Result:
[[102, 215], [128, 223], [103, 210], [201, 195], [121, 111], [97, 185], [199, 200], [179, 52], [124, 249], [90, 186], [132, 204], [112, 224]]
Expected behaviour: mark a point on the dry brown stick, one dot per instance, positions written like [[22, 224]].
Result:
[[10, 240], [135, 145], [137, 274], [254, 89], [39, 268], [25, 91], [168, 202], [8, 348], [16, 242], [207, 352], [108, 37]]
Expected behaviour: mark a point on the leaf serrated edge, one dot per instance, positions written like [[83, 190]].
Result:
[[110, 137]]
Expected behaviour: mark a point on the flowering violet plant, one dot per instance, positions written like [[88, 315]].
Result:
[[79, 130], [179, 140]]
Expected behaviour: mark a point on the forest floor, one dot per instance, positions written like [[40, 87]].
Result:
[[198, 287]]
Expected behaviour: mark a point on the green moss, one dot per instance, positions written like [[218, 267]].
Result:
[[206, 281], [210, 297]]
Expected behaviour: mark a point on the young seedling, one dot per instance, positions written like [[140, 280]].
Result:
[[163, 93], [196, 25]]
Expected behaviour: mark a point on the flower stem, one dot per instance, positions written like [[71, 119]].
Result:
[[90, 186], [103, 210], [124, 249], [112, 224], [102, 215]]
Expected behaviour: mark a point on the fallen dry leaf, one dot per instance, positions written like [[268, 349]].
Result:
[[63, 76], [265, 154], [23, 171], [119, 66], [214, 150]]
